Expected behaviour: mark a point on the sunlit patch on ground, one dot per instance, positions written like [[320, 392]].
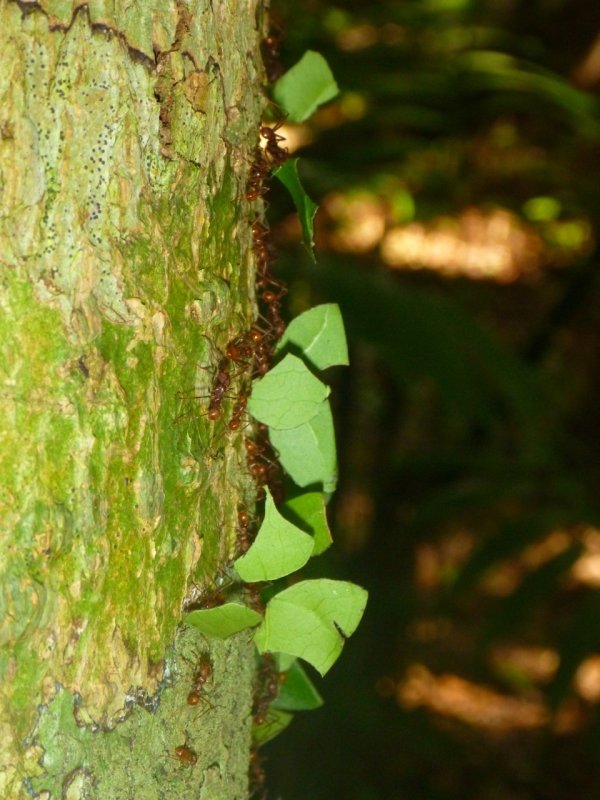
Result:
[[437, 563], [360, 222], [586, 569], [480, 706], [481, 244], [524, 665], [587, 679], [475, 243], [524, 668], [450, 695], [355, 518]]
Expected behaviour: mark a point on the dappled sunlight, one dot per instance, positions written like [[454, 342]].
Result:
[[490, 245], [522, 664], [587, 679], [480, 706], [586, 570], [493, 245], [502, 579], [524, 668], [439, 563], [357, 37], [450, 695], [457, 228], [354, 518], [294, 136], [360, 222], [552, 544]]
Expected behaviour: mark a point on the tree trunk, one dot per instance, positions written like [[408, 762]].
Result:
[[126, 265]]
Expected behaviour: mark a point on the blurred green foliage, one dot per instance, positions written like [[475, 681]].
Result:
[[468, 429]]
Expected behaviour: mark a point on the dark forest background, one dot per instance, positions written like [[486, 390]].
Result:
[[458, 174]]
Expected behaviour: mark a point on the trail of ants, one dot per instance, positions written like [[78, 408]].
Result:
[[256, 777], [263, 465], [245, 534], [266, 689], [249, 353], [255, 349], [269, 48]]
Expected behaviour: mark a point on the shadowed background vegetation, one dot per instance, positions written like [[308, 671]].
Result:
[[458, 179]]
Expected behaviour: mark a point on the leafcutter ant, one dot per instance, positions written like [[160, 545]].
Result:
[[210, 598], [202, 674], [256, 776], [269, 48], [262, 244], [185, 755], [245, 536], [263, 467], [267, 689], [276, 153], [260, 169], [238, 412]]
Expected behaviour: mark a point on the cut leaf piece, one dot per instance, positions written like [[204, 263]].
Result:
[[276, 722], [279, 549], [308, 511], [284, 661], [289, 395], [305, 87], [311, 620], [307, 453], [288, 175], [223, 621], [319, 334], [297, 692]]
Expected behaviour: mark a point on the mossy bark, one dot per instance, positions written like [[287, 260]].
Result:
[[126, 265]]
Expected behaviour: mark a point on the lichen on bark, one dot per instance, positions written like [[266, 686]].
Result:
[[126, 263]]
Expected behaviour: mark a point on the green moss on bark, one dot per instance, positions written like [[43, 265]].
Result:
[[126, 265]]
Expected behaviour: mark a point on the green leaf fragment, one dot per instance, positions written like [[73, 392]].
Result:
[[279, 549], [311, 620], [307, 453], [308, 510], [305, 87], [319, 334], [288, 175], [223, 621], [284, 661], [297, 692], [288, 396]]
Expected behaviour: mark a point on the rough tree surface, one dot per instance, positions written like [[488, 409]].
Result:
[[126, 265]]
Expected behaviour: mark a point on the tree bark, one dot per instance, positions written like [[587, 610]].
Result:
[[126, 265]]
